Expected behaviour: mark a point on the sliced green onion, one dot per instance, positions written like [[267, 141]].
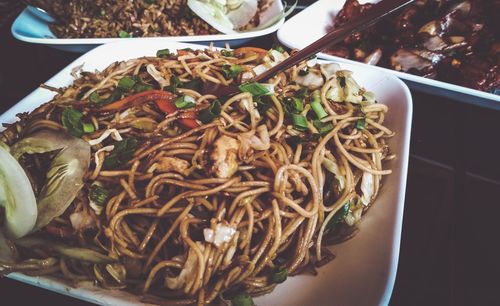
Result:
[[302, 93], [174, 83], [279, 276], [163, 53], [140, 87], [312, 57], [88, 128], [94, 97], [126, 83], [227, 53], [316, 105], [184, 102], [194, 84], [242, 300], [299, 122], [98, 194], [72, 120], [209, 114], [231, 71], [263, 104], [124, 34], [293, 105], [338, 217], [257, 89], [102, 12], [360, 124], [278, 48], [323, 127], [121, 154]]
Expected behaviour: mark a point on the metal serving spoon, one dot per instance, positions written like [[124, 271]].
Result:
[[366, 19]]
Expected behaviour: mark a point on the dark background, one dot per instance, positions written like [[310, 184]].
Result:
[[450, 241]]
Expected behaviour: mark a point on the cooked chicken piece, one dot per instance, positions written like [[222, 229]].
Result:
[[224, 156], [167, 164]]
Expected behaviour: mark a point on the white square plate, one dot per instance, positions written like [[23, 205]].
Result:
[[365, 268], [312, 23], [33, 27]]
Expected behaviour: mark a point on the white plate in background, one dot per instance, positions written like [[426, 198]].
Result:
[[31, 26], [312, 23], [364, 270]]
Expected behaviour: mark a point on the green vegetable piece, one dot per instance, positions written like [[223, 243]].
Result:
[[194, 84], [263, 104], [323, 127], [338, 217], [126, 83], [279, 275], [231, 71], [360, 124], [174, 83], [227, 53], [293, 105], [88, 128], [242, 300], [163, 53], [184, 102], [299, 122], [72, 121], [98, 194], [121, 154], [209, 114], [94, 97], [317, 106], [124, 34], [102, 12], [256, 89], [278, 48]]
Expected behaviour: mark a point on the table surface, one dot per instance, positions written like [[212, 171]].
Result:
[[449, 249]]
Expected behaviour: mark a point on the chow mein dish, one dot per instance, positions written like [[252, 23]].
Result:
[[134, 178], [456, 41], [147, 18]]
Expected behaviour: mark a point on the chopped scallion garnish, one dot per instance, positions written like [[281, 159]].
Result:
[[163, 53], [299, 122], [231, 71], [209, 114], [124, 34], [257, 89], [360, 124], [184, 102], [323, 127], [316, 105], [242, 300], [94, 97], [88, 128], [98, 194], [126, 83], [227, 53], [279, 275]]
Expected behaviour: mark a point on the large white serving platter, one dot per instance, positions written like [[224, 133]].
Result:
[[312, 23], [364, 271], [31, 26]]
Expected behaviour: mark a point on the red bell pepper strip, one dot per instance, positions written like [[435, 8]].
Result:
[[163, 99]]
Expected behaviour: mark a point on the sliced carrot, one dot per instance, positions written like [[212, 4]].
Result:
[[137, 99], [168, 107], [163, 99]]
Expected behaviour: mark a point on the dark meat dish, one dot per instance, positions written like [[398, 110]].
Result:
[[454, 41]]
